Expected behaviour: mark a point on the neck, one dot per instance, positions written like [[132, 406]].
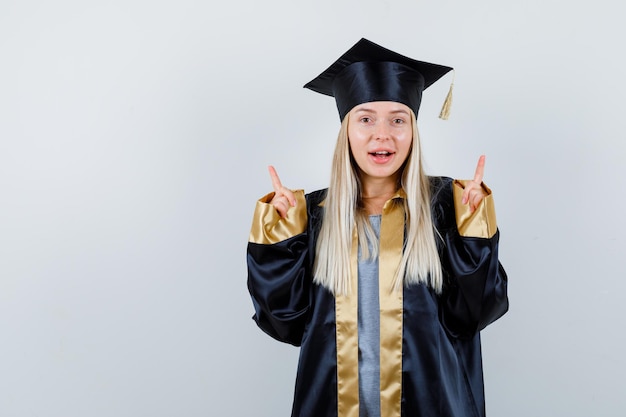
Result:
[[376, 192]]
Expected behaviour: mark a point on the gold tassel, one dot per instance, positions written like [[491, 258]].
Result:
[[447, 104]]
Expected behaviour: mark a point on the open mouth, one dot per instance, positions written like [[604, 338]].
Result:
[[381, 156]]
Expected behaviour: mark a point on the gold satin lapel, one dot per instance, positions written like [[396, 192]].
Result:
[[269, 228], [391, 245], [346, 316], [481, 222]]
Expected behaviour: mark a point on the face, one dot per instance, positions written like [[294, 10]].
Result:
[[380, 136]]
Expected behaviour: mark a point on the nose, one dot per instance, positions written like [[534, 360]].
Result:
[[383, 132]]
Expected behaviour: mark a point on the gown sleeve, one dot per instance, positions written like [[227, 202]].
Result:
[[278, 269], [475, 283]]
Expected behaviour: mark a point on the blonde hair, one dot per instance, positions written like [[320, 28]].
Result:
[[420, 260]]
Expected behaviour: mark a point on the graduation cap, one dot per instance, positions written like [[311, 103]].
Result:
[[368, 72]]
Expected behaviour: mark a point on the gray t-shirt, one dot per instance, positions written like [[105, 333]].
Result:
[[369, 332]]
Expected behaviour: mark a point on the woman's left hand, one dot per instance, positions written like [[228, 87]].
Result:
[[474, 192]]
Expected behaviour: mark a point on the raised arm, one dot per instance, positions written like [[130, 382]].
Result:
[[278, 263], [475, 292]]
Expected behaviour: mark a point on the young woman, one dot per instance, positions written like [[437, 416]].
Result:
[[386, 278]]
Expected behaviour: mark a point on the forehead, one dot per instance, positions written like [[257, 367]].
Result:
[[382, 107]]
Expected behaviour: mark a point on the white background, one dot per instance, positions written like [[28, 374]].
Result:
[[134, 140]]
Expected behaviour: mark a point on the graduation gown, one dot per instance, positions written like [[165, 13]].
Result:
[[430, 357]]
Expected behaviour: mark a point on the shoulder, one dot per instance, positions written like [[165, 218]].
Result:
[[440, 189], [442, 201], [315, 198], [314, 204]]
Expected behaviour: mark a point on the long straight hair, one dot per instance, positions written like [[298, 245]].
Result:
[[420, 260]]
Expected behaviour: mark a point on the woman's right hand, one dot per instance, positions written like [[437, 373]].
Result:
[[283, 196]]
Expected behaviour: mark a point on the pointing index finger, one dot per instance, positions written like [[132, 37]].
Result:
[[275, 180], [480, 170]]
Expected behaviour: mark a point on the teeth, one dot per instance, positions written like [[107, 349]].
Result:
[[382, 153]]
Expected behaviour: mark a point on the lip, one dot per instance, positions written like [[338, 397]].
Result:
[[382, 150], [381, 156]]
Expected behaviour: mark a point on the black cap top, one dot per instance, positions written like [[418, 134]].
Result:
[[368, 72]]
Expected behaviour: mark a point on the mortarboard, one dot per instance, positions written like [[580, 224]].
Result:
[[368, 72]]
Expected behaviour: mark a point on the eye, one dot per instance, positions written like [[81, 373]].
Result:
[[398, 121], [365, 119]]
